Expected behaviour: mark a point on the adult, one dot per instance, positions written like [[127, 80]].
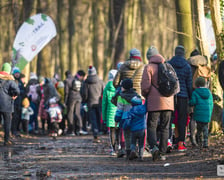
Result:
[[73, 101], [132, 68], [184, 74], [159, 107], [16, 117], [8, 92], [92, 92], [195, 60]]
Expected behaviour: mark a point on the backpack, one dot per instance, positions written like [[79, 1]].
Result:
[[76, 85], [168, 83], [202, 71]]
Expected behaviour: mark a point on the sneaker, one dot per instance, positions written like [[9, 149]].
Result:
[[113, 153], [70, 134], [133, 155], [155, 153], [140, 159], [96, 140], [181, 147], [162, 157], [121, 153], [81, 132], [169, 147], [60, 132], [8, 143]]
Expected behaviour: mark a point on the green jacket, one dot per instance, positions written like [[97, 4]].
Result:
[[202, 101], [108, 109]]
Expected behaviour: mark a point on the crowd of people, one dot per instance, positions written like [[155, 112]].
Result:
[[128, 106]]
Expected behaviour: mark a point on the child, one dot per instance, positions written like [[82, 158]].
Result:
[[202, 101], [55, 116], [108, 111], [123, 107], [27, 111], [137, 118]]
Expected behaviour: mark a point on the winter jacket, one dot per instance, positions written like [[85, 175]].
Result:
[[33, 90], [124, 105], [202, 101], [108, 109], [8, 88], [137, 117], [133, 69], [184, 74], [55, 113], [156, 102], [92, 91], [71, 94], [26, 113]]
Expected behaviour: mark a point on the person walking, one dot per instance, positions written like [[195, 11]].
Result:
[[202, 101], [123, 106], [92, 92], [73, 101], [184, 74], [159, 107], [9, 90], [108, 112]]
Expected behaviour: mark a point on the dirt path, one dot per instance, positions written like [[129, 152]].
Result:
[[78, 158]]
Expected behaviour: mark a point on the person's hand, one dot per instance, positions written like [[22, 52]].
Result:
[[38, 118], [14, 97]]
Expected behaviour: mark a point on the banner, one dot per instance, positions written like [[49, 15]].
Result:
[[30, 39]]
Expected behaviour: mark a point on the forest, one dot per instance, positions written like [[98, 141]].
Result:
[[101, 32]]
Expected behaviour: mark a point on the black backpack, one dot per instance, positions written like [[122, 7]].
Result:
[[168, 83], [76, 85]]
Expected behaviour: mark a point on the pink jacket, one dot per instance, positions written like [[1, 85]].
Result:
[[155, 101]]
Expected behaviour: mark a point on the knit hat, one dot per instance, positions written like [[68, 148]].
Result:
[[52, 100], [179, 51], [16, 70], [135, 53], [194, 53], [119, 65], [127, 84], [136, 100], [152, 51], [91, 71], [112, 74], [60, 84], [200, 82], [33, 76], [26, 102], [6, 67]]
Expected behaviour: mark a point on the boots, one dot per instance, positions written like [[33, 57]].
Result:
[[181, 146], [128, 152]]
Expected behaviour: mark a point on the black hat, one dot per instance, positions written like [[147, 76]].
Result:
[[127, 84]]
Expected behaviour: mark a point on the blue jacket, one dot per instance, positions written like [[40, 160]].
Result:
[[203, 104], [136, 118], [184, 74]]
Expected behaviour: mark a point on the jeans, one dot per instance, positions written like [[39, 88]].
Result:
[[182, 109], [95, 117], [7, 118], [140, 136], [202, 128], [152, 123]]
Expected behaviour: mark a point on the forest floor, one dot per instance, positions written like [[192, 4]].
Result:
[[66, 158]]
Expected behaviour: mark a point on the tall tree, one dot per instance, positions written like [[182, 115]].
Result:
[[184, 25], [116, 22]]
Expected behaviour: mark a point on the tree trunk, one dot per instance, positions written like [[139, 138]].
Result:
[[184, 25], [116, 20], [218, 29]]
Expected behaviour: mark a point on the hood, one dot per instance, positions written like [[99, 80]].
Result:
[[178, 62], [92, 79], [203, 92], [5, 76], [110, 86], [132, 64], [156, 59], [128, 94]]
